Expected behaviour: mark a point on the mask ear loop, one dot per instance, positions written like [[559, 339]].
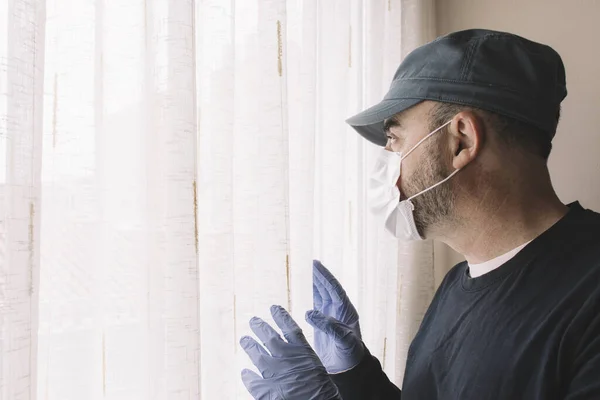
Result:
[[434, 186], [422, 140], [440, 182]]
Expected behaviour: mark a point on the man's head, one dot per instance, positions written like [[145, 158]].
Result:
[[502, 94], [488, 148]]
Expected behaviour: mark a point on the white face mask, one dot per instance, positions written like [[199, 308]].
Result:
[[385, 196]]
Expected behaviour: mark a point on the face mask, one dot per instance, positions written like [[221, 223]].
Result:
[[385, 195]]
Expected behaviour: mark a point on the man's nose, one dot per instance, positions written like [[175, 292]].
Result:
[[388, 145]]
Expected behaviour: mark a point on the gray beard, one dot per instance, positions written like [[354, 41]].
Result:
[[433, 208]]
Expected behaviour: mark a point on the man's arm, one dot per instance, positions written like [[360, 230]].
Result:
[[366, 381]]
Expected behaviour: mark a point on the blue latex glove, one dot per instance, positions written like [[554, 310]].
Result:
[[290, 370], [337, 331]]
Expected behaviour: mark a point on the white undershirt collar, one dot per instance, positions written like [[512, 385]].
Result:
[[477, 270]]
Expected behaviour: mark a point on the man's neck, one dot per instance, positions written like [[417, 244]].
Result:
[[490, 230]]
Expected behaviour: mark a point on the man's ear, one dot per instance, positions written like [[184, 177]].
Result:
[[467, 132]]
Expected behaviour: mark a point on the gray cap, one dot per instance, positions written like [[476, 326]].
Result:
[[494, 71]]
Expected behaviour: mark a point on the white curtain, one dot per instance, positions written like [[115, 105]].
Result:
[[169, 169]]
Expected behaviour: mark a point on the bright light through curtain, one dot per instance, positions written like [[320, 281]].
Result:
[[169, 169]]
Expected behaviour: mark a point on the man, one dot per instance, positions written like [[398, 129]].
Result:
[[467, 127]]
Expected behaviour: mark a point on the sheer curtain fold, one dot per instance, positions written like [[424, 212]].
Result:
[[21, 96], [169, 169]]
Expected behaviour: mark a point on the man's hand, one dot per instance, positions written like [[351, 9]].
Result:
[[290, 369], [337, 331]]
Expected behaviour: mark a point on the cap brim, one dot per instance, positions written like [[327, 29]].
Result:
[[369, 123]]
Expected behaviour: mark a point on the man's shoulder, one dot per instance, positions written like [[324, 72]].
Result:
[[584, 234], [575, 239], [585, 217], [454, 274]]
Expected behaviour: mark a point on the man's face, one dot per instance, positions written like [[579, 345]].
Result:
[[427, 165]]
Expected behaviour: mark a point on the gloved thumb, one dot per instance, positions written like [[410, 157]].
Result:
[[333, 328]]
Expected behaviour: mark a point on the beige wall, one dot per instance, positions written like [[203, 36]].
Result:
[[573, 29]]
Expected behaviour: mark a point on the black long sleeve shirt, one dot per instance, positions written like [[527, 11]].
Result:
[[529, 329]]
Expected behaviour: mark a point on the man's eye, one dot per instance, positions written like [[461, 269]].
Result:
[[391, 137]]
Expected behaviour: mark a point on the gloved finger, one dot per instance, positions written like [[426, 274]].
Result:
[[330, 283], [321, 289], [258, 355], [290, 329], [269, 336], [317, 299], [256, 386], [330, 326], [356, 329]]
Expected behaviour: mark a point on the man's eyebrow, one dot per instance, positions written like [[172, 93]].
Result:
[[390, 123]]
